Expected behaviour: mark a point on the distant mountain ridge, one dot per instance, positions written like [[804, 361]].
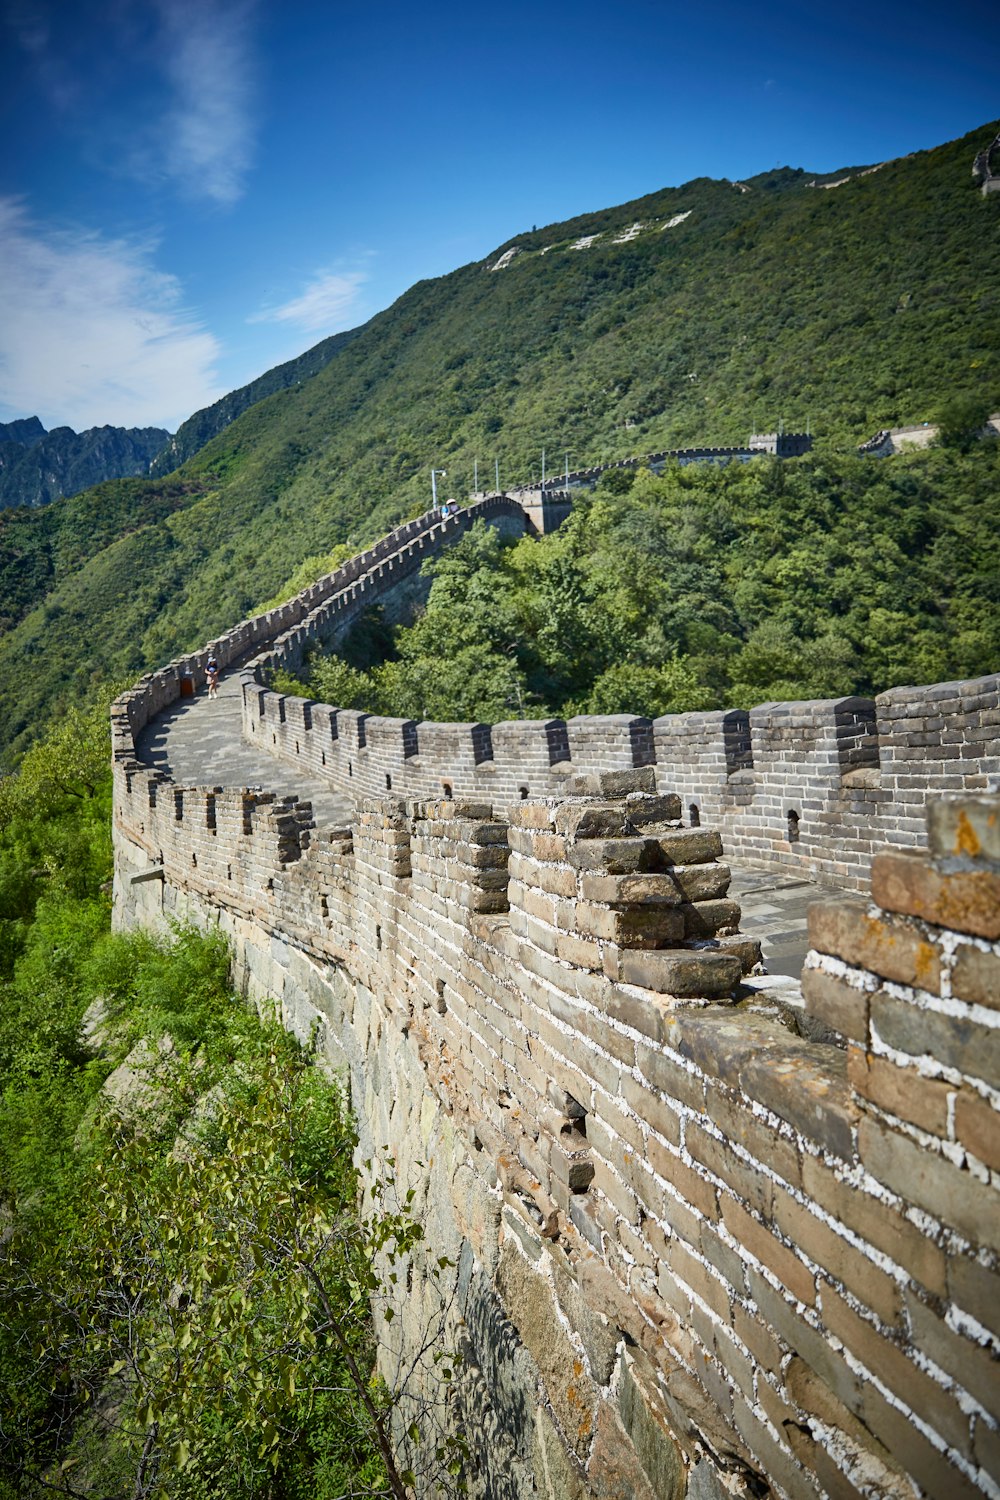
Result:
[[207, 423], [748, 306], [37, 467]]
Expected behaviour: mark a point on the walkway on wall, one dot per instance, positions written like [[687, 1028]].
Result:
[[199, 743]]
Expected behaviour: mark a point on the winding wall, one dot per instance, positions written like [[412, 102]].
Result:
[[696, 1254]]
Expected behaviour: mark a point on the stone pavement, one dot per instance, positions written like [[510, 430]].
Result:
[[198, 741]]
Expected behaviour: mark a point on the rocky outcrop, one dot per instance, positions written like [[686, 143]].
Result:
[[38, 466]]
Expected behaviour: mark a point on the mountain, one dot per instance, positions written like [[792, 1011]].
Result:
[[25, 432], [854, 301], [209, 422], [37, 467]]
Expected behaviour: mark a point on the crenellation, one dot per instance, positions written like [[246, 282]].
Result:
[[748, 1251]]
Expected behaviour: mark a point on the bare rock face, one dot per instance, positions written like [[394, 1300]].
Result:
[[136, 1090], [38, 466]]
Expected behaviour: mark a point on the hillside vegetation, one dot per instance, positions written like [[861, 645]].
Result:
[[705, 588], [851, 307], [191, 1279]]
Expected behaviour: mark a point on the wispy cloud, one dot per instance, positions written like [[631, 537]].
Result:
[[159, 92], [208, 131], [91, 332], [329, 303]]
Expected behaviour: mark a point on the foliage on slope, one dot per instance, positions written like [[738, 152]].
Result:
[[853, 308], [210, 420], [707, 587], [186, 1272]]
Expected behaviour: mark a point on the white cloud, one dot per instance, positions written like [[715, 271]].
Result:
[[208, 132], [328, 304], [161, 91], [91, 332]]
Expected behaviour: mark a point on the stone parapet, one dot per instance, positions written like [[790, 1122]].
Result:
[[688, 1241], [695, 1251], [813, 787]]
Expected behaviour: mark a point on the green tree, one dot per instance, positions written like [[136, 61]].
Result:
[[208, 1311], [961, 420]]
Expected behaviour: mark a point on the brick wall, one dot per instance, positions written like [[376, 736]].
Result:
[[811, 787], [693, 1249]]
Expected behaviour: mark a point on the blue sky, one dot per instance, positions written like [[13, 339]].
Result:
[[192, 191]]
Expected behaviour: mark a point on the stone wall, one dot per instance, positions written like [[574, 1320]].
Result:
[[695, 1253], [320, 613], [810, 787]]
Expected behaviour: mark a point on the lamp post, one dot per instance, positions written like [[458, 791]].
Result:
[[436, 474]]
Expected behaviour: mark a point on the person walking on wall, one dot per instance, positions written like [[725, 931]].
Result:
[[212, 675]]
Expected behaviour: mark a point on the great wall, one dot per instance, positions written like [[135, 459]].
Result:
[[697, 1253]]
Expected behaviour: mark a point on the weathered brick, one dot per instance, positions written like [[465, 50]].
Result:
[[974, 1368], [641, 927], [757, 1240], [931, 1181], [899, 1091], [976, 976], [681, 972], [895, 1369], [808, 1091], [964, 827], [957, 1042], [893, 948], [670, 1077], [626, 890], [704, 919], [588, 820], [615, 856], [722, 1257], [977, 1126], [756, 1335], [967, 901], [747, 1179], [939, 1478], [841, 1260], [976, 1289], [802, 1338], [877, 1223], [694, 1275], [738, 1123], [720, 1041], [691, 1186], [840, 1005], [690, 846], [642, 1011], [781, 1466]]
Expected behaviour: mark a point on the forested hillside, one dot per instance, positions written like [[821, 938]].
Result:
[[184, 1313], [704, 588], [731, 307]]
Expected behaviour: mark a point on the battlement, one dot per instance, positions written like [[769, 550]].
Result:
[[705, 1234], [700, 1246], [814, 786]]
